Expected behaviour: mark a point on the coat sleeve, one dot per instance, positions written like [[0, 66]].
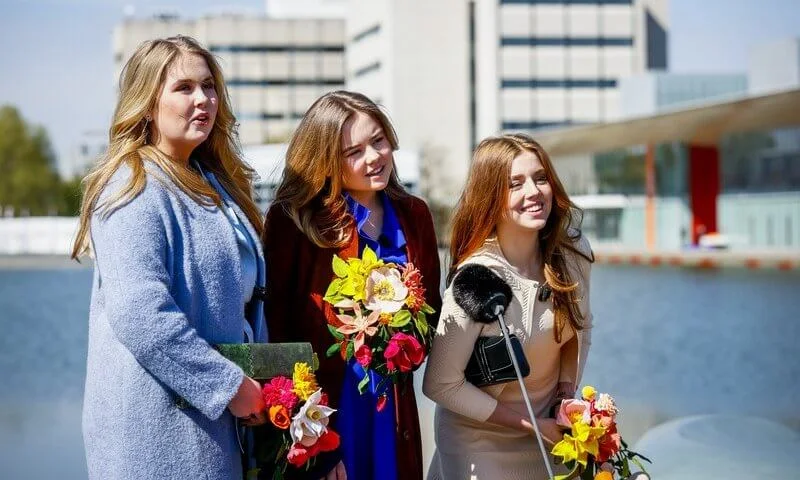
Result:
[[444, 381], [281, 243], [431, 270], [573, 359], [131, 252]]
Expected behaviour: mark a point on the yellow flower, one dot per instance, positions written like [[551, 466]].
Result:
[[578, 446], [305, 383], [353, 273], [588, 393]]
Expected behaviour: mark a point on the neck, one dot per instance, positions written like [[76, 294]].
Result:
[[521, 249], [176, 155], [371, 200]]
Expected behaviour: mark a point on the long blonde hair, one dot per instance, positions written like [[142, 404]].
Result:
[[141, 83], [311, 187], [485, 200]]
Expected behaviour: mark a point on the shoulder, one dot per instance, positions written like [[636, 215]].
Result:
[[410, 205], [156, 189], [581, 246]]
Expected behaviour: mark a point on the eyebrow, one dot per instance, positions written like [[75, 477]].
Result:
[[182, 80], [376, 134]]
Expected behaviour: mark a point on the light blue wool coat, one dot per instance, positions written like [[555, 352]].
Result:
[[167, 284]]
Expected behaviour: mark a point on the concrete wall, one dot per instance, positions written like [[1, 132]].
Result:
[[37, 235]]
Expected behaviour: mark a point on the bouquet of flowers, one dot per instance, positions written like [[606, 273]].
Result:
[[382, 316], [299, 415], [593, 448]]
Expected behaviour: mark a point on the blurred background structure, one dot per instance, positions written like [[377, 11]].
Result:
[[697, 166]]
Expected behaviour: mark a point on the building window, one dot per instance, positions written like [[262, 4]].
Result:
[[566, 83], [566, 2], [372, 67], [275, 48], [239, 82], [532, 125], [566, 41], [366, 33]]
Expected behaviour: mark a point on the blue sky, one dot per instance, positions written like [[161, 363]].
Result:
[[57, 65]]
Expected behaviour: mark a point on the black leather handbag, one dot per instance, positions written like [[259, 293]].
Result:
[[490, 363]]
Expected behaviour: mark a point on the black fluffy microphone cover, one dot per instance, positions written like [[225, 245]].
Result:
[[476, 289]]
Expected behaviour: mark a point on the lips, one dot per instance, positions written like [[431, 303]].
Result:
[[377, 172], [534, 208], [201, 119]]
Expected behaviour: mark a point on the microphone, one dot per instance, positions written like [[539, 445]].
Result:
[[481, 293]]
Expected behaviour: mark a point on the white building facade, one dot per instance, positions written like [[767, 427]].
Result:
[[452, 72], [275, 67]]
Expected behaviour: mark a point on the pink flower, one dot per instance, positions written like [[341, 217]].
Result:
[[298, 455], [359, 325], [279, 392], [572, 411], [403, 352], [364, 355]]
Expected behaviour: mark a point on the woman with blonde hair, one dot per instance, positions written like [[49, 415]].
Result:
[[515, 218], [340, 193], [169, 219]]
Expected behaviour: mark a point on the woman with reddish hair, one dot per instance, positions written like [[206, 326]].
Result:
[[515, 218]]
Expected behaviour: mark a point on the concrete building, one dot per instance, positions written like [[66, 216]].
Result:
[[276, 64], [695, 155], [413, 57], [452, 72]]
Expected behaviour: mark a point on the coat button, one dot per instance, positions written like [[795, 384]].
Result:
[[406, 434]]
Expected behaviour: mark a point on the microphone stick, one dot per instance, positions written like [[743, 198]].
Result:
[[498, 312]]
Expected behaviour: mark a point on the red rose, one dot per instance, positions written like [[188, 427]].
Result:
[[364, 355], [328, 442], [403, 352], [298, 455]]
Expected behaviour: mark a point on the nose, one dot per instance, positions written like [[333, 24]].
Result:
[[371, 155], [532, 189], [200, 97]]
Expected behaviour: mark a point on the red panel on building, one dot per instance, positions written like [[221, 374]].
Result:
[[704, 187]]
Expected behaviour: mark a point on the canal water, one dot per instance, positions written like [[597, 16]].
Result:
[[667, 343]]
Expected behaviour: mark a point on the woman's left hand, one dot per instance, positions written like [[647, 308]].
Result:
[[255, 419]]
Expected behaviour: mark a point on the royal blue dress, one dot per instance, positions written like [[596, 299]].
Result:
[[367, 435]]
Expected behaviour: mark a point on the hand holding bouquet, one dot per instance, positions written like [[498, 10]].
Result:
[[593, 448], [382, 319]]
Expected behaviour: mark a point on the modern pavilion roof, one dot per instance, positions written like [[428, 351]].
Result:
[[699, 125]]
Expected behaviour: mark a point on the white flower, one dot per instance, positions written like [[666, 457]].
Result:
[[385, 290], [311, 421], [605, 403]]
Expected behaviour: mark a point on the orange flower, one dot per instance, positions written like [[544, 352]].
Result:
[[604, 476], [279, 416]]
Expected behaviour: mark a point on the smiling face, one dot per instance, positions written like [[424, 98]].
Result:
[[530, 196], [367, 156], [187, 107]]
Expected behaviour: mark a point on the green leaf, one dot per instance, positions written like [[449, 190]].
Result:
[[332, 350], [350, 350], [336, 334], [427, 309], [363, 383], [400, 319], [422, 324], [339, 267]]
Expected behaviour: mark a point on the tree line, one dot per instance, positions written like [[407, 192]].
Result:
[[29, 180]]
